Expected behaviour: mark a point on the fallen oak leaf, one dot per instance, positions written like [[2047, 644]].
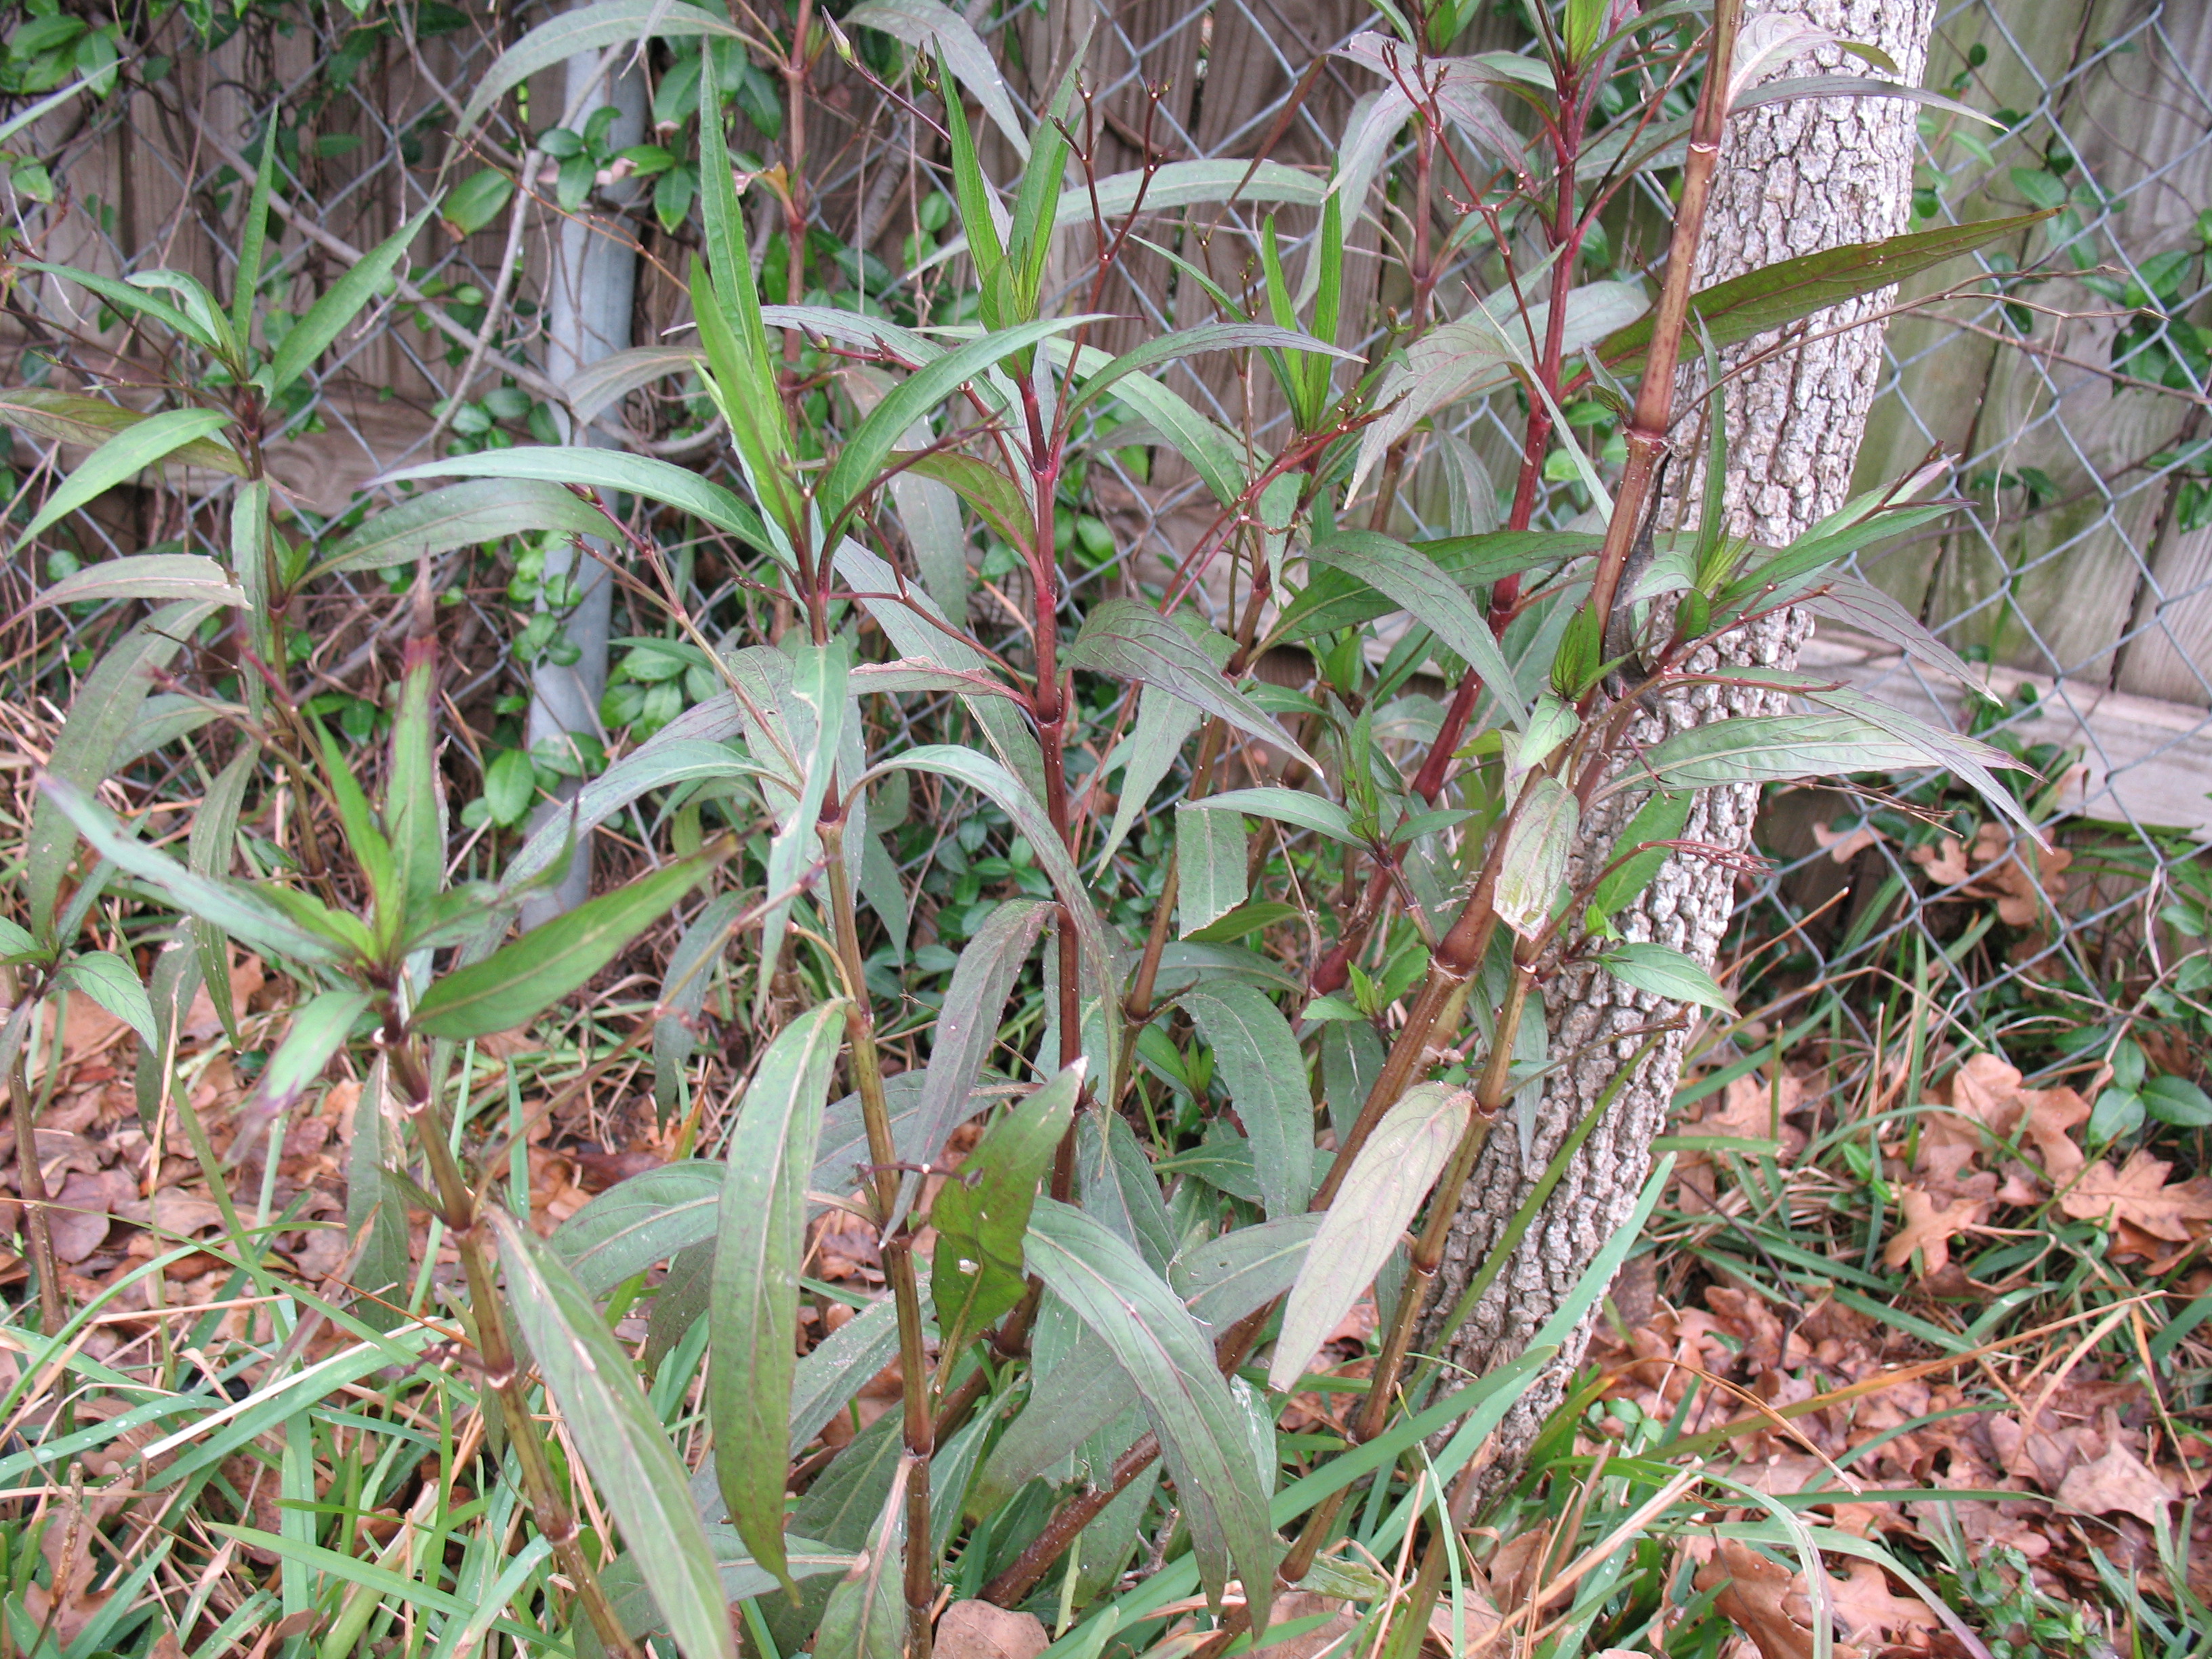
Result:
[[1762, 1599], [2118, 1483], [2137, 1193], [2051, 1114], [1929, 1227], [1870, 1612]]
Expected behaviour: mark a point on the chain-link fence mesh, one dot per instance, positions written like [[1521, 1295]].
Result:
[[2061, 370]]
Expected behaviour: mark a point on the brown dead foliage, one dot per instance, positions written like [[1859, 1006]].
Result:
[[2064, 1451]]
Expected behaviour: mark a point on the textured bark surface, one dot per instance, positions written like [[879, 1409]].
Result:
[[1795, 179]]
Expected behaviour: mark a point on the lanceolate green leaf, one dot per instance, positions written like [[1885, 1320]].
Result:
[[1200, 1426], [1130, 640], [690, 748], [319, 1029], [640, 1221], [72, 418], [985, 776], [414, 799], [1189, 342], [133, 301], [1258, 1056], [930, 637], [726, 305], [1665, 972], [1430, 597], [605, 470], [588, 29], [742, 1578], [1771, 748], [124, 457], [1293, 806], [1660, 818], [316, 331], [1211, 872], [1179, 184], [1381, 1194], [595, 1385], [376, 1209], [755, 1308], [1164, 723], [982, 1214], [967, 1027], [236, 909], [521, 978], [113, 983], [925, 23], [146, 576], [1778, 294], [461, 515], [684, 988], [865, 452]]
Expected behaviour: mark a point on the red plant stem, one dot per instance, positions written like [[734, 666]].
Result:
[[1655, 395]]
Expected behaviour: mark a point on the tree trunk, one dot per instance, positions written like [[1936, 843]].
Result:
[[1794, 177]]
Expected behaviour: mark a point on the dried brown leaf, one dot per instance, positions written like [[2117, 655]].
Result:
[[2137, 1193], [1765, 1601], [2118, 1483], [1929, 1227]]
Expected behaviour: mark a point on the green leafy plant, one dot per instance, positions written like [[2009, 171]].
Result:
[[1094, 1339]]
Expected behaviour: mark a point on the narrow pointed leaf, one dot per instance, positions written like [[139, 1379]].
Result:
[[1200, 1426], [931, 637], [863, 455], [348, 297], [70, 417], [683, 987], [587, 29], [522, 978], [462, 515], [982, 1214], [967, 1027], [1381, 1194], [603, 470], [146, 576], [1665, 972], [1211, 865], [1293, 806], [121, 459], [1776, 295], [925, 23], [636, 1222], [376, 1209], [318, 1029], [1258, 1057], [644, 1485], [988, 778], [690, 748], [1130, 640], [113, 983], [761, 1240], [236, 909], [1190, 341], [1430, 597]]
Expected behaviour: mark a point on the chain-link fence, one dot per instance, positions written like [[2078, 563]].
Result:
[[2061, 370]]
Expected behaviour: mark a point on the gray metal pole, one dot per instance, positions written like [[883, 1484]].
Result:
[[587, 315]]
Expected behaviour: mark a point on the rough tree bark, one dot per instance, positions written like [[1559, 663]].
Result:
[[1795, 179]]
